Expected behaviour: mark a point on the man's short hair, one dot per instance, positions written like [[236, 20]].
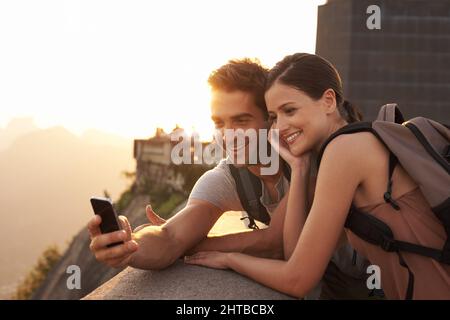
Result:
[[247, 75]]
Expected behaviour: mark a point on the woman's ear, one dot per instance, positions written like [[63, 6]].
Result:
[[329, 101]]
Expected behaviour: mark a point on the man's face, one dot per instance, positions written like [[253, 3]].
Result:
[[236, 110]]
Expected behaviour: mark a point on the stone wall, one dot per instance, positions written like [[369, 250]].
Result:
[[182, 281]]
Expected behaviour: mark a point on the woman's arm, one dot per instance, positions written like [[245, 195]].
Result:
[[297, 205], [267, 243], [339, 176], [296, 209]]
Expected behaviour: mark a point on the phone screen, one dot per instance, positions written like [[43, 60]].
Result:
[[104, 208]]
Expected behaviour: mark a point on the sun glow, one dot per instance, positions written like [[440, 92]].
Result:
[[129, 67]]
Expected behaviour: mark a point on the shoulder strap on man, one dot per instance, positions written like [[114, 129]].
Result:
[[249, 190]]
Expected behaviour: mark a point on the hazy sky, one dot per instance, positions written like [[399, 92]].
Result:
[[127, 66]]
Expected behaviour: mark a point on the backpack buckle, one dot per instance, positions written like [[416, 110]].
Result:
[[388, 199], [388, 244]]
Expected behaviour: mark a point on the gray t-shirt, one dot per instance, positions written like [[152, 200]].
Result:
[[217, 186]]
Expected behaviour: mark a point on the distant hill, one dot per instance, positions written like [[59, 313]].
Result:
[[14, 129], [97, 137], [46, 179]]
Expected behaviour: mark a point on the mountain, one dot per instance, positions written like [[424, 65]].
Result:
[[15, 128], [46, 179], [97, 137]]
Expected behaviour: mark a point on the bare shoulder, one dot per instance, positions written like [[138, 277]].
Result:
[[354, 149]]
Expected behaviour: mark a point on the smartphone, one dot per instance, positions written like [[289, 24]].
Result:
[[110, 221]]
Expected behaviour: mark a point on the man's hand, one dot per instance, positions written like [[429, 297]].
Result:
[[118, 256], [158, 244], [154, 219]]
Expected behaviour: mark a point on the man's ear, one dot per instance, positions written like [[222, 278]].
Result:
[[329, 101]]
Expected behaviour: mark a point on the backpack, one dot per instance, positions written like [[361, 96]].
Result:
[[422, 147], [249, 190]]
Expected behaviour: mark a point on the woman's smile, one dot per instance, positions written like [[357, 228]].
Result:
[[292, 137]]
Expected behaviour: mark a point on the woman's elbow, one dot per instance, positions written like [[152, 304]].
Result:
[[297, 284], [274, 244]]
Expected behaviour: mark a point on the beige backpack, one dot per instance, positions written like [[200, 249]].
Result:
[[422, 147]]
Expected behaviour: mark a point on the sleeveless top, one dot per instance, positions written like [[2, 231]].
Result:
[[415, 223]]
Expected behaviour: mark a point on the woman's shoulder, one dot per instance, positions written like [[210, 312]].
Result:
[[355, 148]]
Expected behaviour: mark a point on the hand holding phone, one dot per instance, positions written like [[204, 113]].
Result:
[[110, 221]]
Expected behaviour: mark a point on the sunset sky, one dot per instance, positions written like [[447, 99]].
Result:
[[125, 67]]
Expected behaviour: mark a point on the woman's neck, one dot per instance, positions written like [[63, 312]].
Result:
[[332, 129]]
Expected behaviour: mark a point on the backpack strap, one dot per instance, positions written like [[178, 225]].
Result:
[[373, 230], [393, 161], [376, 232], [249, 190]]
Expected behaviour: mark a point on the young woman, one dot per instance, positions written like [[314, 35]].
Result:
[[305, 101]]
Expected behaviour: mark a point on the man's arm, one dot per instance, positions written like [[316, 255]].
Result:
[[266, 243], [162, 245], [155, 247]]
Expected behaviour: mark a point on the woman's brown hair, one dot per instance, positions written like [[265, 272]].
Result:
[[313, 75]]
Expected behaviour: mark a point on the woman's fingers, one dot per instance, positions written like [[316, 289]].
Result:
[[210, 259]]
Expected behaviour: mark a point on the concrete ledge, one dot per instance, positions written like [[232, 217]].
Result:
[[182, 281]]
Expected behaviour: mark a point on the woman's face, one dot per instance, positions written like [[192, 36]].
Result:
[[304, 123]]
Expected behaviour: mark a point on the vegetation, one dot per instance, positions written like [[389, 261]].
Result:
[[163, 198], [124, 200], [106, 194], [37, 275], [191, 173], [167, 207]]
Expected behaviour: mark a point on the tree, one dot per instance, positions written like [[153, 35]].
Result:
[[37, 275]]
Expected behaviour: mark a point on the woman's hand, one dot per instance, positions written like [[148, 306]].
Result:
[[301, 162], [211, 259]]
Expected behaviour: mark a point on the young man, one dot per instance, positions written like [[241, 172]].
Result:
[[237, 103]]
